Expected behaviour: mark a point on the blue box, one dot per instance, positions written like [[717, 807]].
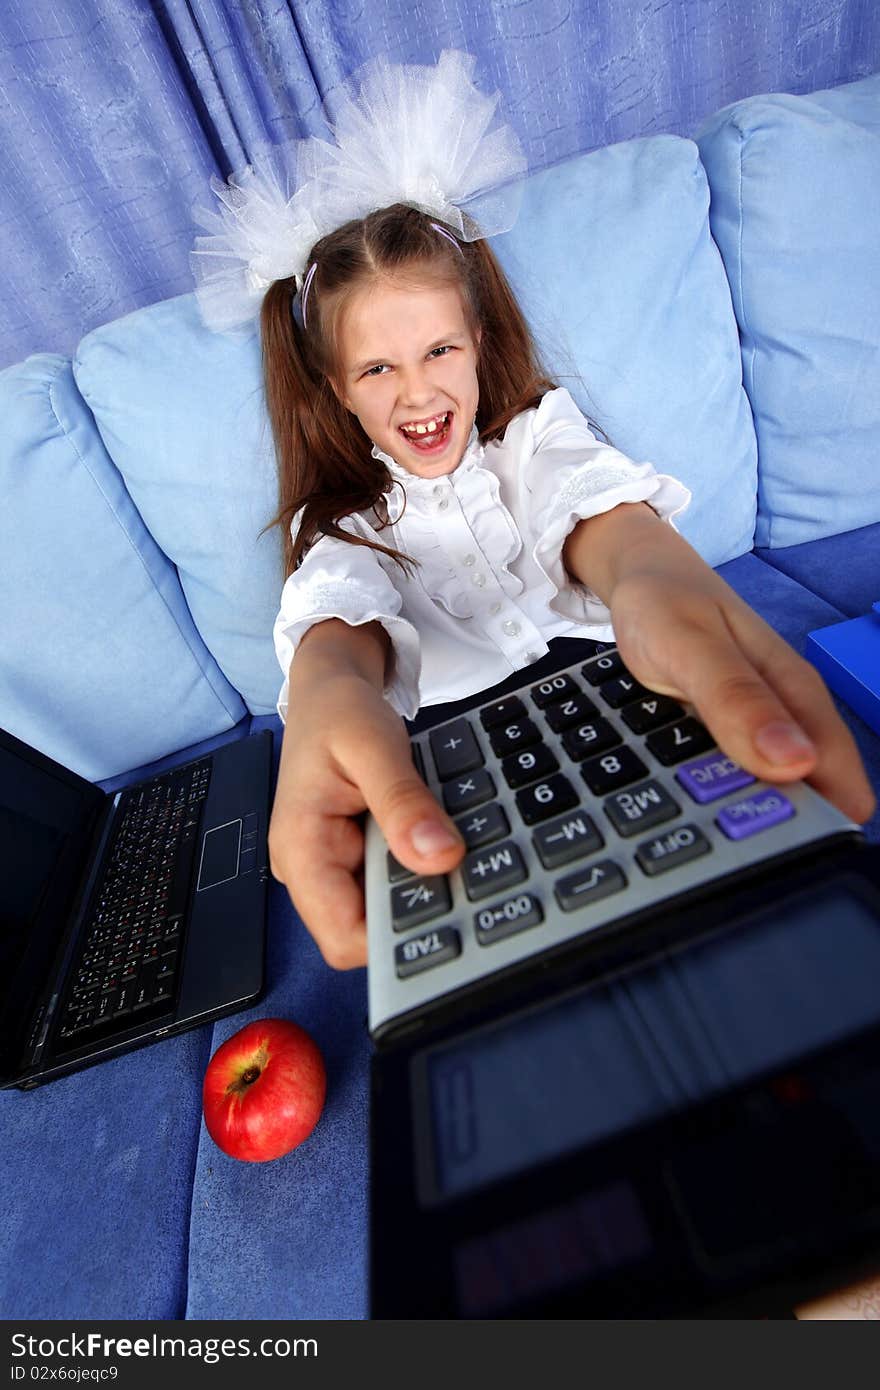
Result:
[[848, 657]]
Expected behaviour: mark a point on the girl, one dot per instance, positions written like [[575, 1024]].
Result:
[[447, 511]]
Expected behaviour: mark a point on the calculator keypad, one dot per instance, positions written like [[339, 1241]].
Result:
[[580, 799]]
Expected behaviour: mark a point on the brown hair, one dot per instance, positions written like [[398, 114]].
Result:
[[326, 468]]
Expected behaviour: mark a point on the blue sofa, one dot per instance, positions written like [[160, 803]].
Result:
[[735, 343]]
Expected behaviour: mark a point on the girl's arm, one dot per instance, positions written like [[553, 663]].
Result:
[[683, 632], [344, 751]]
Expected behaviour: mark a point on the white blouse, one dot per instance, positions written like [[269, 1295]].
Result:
[[490, 589]]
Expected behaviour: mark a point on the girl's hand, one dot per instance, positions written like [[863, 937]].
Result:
[[683, 632], [346, 751]]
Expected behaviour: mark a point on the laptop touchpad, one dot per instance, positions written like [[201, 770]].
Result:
[[220, 849]]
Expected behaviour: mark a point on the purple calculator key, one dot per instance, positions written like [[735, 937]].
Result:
[[713, 775], [754, 813]]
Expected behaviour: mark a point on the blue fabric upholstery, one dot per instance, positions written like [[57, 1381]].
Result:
[[844, 569], [795, 207], [613, 263], [181, 411], [102, 665], [97, 1170]]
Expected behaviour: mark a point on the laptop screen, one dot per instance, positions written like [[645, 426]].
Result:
[[47, 816]]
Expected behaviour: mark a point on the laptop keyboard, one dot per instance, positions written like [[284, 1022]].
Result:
[[131, 947]]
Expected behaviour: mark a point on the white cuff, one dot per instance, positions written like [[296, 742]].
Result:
[[578, 499], [303, 607]]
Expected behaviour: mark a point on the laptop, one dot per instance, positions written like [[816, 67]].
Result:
[[127, 917]]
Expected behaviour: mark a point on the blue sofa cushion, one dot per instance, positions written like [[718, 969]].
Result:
[[795, 209], [844, 570], [103, 668], [181, 412], [613, 262]]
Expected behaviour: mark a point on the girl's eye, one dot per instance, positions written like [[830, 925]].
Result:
[[377, 370], [440, 351]]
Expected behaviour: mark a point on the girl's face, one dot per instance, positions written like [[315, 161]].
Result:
[[408, 371]]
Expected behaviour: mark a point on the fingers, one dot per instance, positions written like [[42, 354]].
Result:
[[317, 848], [318, 859], [419, 832], [772, 714], [838, 772]]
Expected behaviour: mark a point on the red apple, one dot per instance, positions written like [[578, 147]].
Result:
[[264, 1090]]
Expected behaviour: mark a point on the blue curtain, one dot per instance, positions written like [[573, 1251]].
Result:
[[114, 113]]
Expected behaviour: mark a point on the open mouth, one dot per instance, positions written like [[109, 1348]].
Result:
[[428, 435]]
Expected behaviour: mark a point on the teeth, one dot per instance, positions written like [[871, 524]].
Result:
[[431, 427]]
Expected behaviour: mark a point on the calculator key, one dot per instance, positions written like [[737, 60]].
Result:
[[622, 690], [528, 766], [419, 901], [712, 776], [546, 799], [588, 885], [594, 737], [754, 814], [483, 826], [489, 871], [502, 919], [566, 838], [564, 714], [640, 808], [554, 688], [461, 793], [675, 847], [612, 770], [455, 749], [396, 870], [502, 712], [650, 713], [423, 952], [681, 740], [509, 738], [604, 668]]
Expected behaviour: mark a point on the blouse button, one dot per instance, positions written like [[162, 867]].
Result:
[[443, 504], [479, 579], [469, 560], [511, 628], [495, 609]]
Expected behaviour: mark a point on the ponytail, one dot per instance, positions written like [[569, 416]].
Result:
[[325, 464]]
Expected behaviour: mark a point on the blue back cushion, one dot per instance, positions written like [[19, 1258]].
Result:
[[795, 211], [182, 414], [102, 666], [614, 264]]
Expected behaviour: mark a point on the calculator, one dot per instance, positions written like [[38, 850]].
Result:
[[586, 802]]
